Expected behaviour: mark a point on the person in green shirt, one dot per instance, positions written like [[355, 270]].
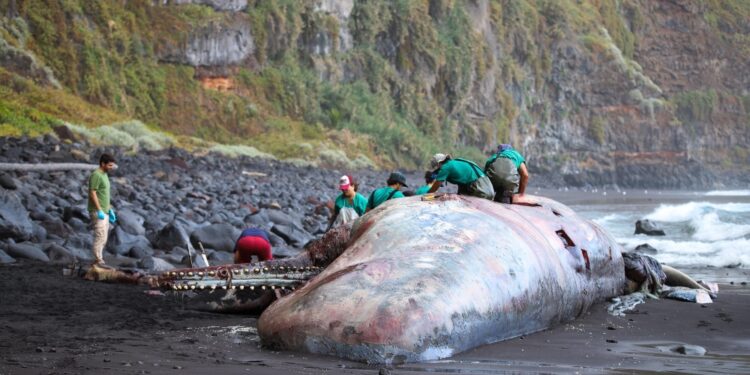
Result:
[[507, 171], [348, 199], [470, 179], [395, 181], [429, 177], [99, 204]]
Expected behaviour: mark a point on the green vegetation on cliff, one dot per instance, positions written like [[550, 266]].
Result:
[[417, 76]]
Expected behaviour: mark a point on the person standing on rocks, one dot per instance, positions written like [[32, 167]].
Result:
[[349, 205], [395, 181], [429, 177], [99, 203], [252, 241], [470, 179], [507, 171]]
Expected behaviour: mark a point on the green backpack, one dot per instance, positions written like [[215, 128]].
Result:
[[503, 174]]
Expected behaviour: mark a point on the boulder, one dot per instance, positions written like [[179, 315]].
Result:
[[78, 212], [285, 252], [59, 254], [120, 242], [258, 220], [57, 227], [27, 250], [275, 240], [645, 248], [648, 228], [78, 225], [5, 258], [131, 222], [221, 257], [219, 237], [79, 241], [154, 264], [14, 219], [139, 252], [198, 261], [172, 235], [40, 215], [292, 236], [279, 217], [7, 182], [40, 234]]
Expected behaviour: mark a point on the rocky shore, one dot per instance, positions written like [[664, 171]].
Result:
[[170, 200], [164, 201]]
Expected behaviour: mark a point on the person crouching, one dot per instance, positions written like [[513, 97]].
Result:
[[252, 241]]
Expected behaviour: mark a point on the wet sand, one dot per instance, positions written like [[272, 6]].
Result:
[[50, 323]]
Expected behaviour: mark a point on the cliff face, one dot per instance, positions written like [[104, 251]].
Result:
[[627, 92]]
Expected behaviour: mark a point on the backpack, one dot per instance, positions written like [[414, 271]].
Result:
[[481, 187], [371, 201], [503, 174]]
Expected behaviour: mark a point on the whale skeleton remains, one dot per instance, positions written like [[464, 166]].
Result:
[[418, 280]]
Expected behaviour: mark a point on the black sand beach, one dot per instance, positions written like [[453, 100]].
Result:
[[65, 325]]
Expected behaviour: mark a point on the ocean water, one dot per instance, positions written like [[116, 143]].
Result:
[[704, 230]]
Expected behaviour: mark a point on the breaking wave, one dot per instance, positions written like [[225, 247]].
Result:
[[698, 234], [728, 193], [692, 210], [728, 253]]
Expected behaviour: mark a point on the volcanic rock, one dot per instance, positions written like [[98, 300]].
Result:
[[220, 237], [28, 251], [648, 228], [14, 218], [5, 258], [131, 222], [7, 182], [154, 264]]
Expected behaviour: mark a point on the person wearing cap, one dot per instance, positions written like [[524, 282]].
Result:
[[470, 179], [395, 182], [99, 207], [429, 177], [507, 171], [349, 198], [252, 241]]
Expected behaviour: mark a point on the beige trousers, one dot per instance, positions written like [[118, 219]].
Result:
[[101, 231]]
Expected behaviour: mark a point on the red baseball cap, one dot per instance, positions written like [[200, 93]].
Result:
[[345, 182]]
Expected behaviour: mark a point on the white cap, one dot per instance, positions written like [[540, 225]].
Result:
[[437, 159]]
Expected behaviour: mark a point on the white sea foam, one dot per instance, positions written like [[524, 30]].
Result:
[[710, 228], [603, 221], [728, 193], [691, 210], [696, 253]]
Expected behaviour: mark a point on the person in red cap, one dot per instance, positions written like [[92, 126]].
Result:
[[252, 241], [349, 199]]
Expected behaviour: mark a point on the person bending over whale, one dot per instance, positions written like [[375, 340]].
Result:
[[470, 179], [252, 241]]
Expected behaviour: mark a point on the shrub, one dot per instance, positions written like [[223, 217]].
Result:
[[234, 151]]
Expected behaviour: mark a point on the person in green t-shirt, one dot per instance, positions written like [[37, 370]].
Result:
[[506, 168], [464, 173], [349, 199], [99, 204], [429, 177], [395, 181]]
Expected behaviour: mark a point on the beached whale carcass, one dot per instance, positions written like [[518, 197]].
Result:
[[426, 279]]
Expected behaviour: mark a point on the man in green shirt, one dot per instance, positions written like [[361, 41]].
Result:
[[99, 204], [464, 173], [429, 177], [507, 172], [395, 181], [349, 199]]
